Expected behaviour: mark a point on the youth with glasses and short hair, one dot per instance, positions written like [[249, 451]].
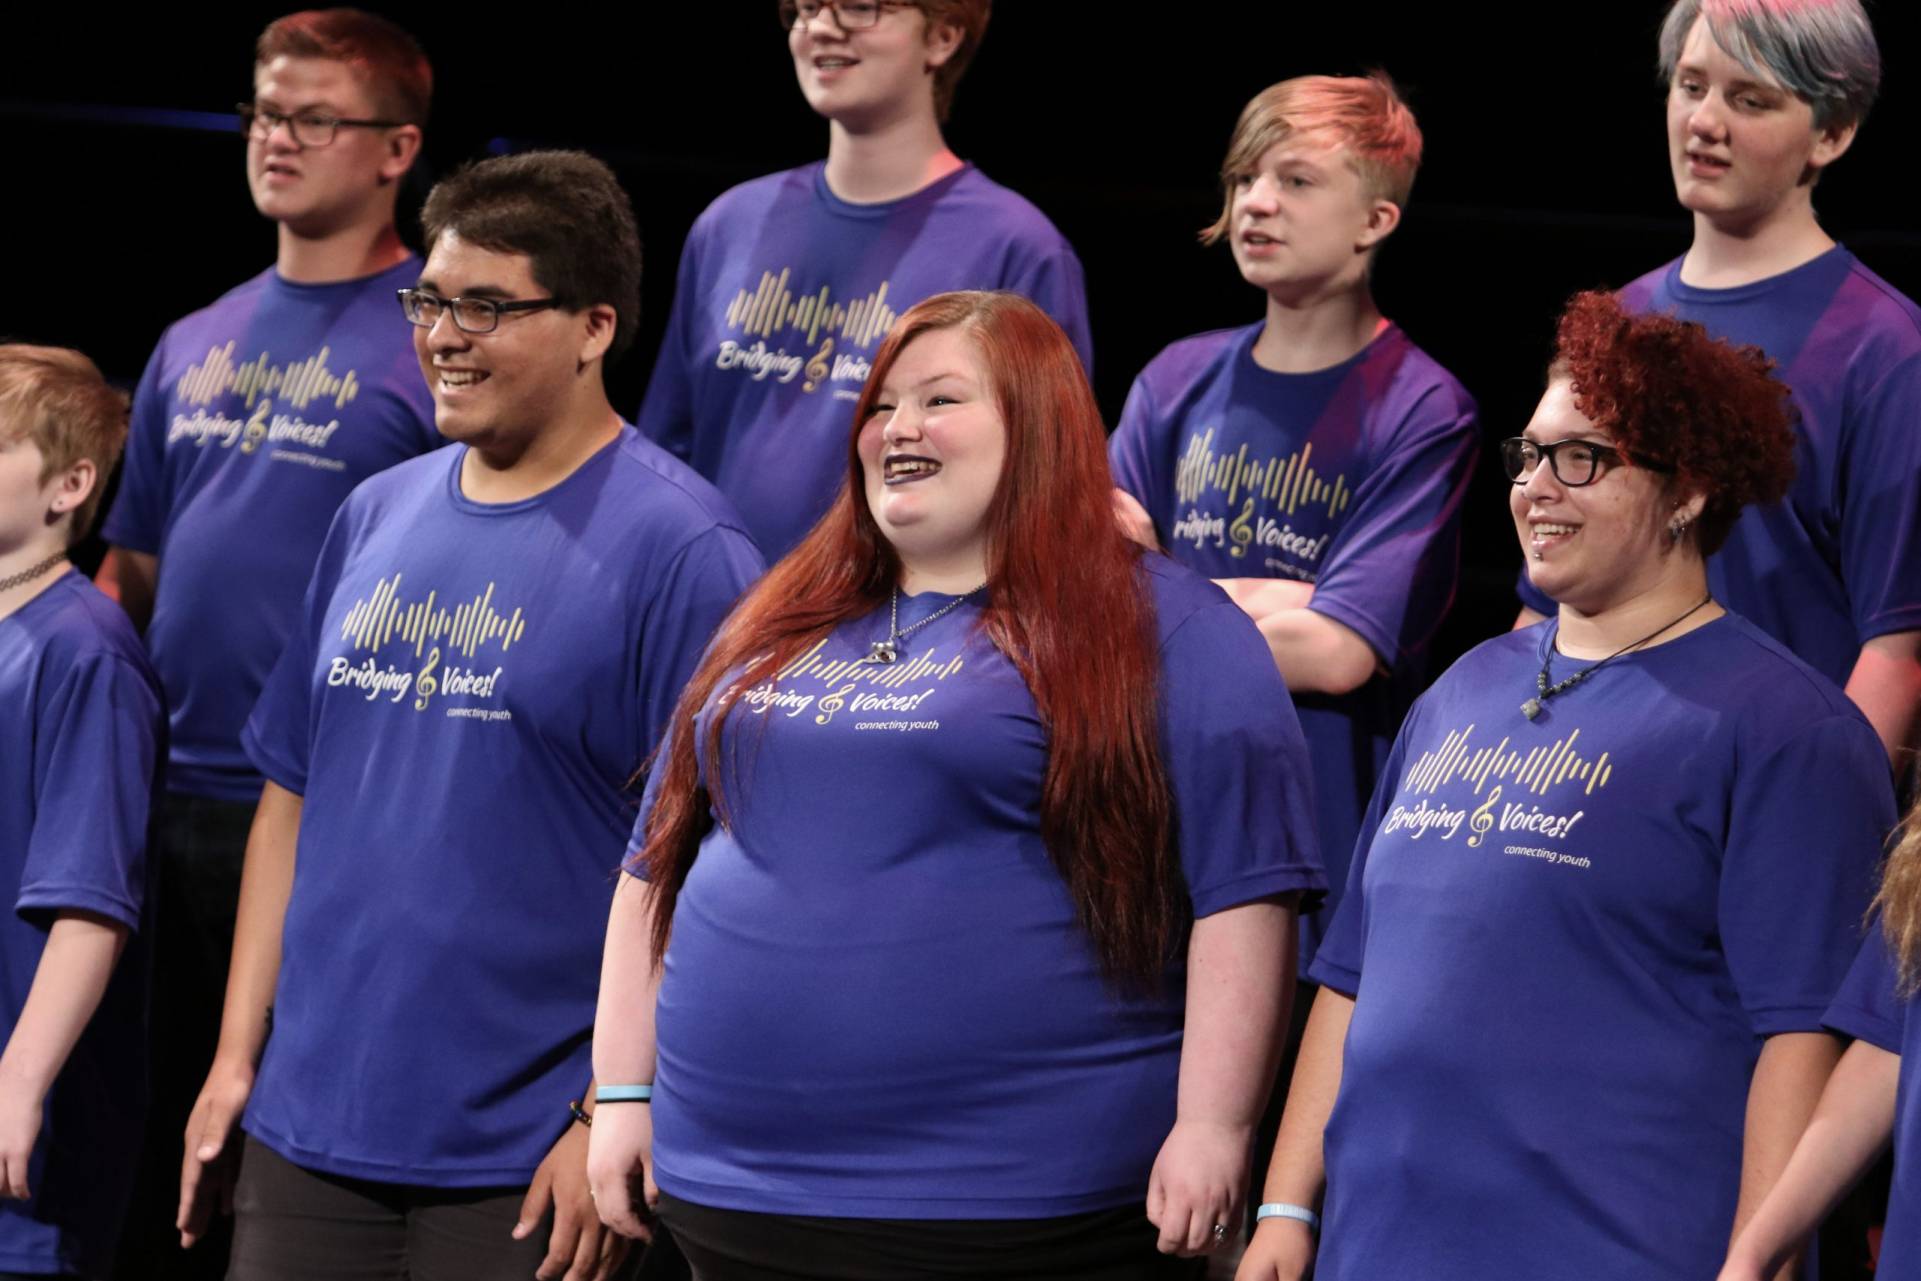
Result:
[[492, 641], [81, 727], [949, 944], [1762, 99], [1570, 1021], [254, 419], [788, 284]]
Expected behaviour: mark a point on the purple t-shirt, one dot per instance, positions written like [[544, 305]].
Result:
[[1870, 1008], [1349, 478], [80, 743], [1839, 562], [254, 420], [878, 1001], [462, 705], [1566, 940], [784, 294]]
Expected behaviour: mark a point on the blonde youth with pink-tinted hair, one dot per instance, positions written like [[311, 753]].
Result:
[[1363, 115]]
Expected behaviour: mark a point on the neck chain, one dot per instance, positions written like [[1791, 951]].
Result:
[[1545, 691], [888, 651], [31, 572]]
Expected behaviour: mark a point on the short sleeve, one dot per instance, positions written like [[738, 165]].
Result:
[[666, 414], [139, 515], [1807, 820], [1868, 1007], [278, 736], [1238, 765], [1391, 570], [686, 607], [1054, 281], [1338, 962], [1880, 519], [101, 728], [1131, 453]]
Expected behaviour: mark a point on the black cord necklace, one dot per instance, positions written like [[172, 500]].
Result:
[[1545, 691], [31, 572]]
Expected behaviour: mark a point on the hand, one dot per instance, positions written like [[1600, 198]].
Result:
[[1134, 520], [620, 1159], [1280, 1250], [579, 1249], [20, 1116], [212, 1158], [1196, 1183]]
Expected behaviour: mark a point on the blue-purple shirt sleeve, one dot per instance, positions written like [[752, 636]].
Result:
[[1880, 517], [139, 514], [1868, 1007], [697, 591], [101, 728], [1806, 823], [1391, 570], [1055, 282], [278, 737], [1132, 449], [1238, 765], [1338, 962], [666, 414]]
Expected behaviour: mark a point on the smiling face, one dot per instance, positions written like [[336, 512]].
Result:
[[931, 455], [880, 73], [1598, 545], [319, 190], [1743, 149], [1303, 219], [497, 391]]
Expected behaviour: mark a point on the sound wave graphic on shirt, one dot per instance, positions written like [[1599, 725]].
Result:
[[299, 382], [466, 626], [772, 307], [1540, 769], [1287, 483]]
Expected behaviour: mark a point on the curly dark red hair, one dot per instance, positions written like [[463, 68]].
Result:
[[1670, 394]]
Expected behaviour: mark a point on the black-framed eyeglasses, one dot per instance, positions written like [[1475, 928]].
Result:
[[309, 128], [1573, 462], [471, 315], [849, 15]]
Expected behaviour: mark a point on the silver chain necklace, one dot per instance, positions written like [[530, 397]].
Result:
[[31, 572], [888, 651]]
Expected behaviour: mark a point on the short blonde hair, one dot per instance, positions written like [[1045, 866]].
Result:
[[56, 398], [1364, 115]]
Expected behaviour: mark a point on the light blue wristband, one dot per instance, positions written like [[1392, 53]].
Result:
[[1282, 1210], [623, 1093]]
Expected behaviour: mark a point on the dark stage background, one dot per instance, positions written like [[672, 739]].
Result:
[[1546, 165]]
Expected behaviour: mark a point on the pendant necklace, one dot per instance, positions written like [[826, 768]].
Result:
[[888, 651], [31, 572], [1545, 691]]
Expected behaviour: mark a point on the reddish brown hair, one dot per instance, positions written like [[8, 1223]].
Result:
[[1066, 604], [1669, 394], [56, 398], [383, 57]]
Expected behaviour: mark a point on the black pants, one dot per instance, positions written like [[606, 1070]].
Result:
[[734, 1245], [194, 881]]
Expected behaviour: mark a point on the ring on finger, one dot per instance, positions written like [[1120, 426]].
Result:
[[1219, 1233]]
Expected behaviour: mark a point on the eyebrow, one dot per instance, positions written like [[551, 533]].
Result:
[[471, 291], [1696, 69]]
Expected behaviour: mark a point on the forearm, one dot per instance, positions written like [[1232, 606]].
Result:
[[1240, 977], [130, 578], [72, 975], [629, 985], [1297, 1172], [266, 884], [1787, 1085], [1315, 654], [1851, 1127], [1886, 685]]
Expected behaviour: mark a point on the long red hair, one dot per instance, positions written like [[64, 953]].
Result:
[[1066, 604]]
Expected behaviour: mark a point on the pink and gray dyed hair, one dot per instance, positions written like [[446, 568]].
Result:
[[1821, 51]]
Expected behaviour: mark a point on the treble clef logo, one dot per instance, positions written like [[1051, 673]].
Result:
[[1483, 819], [817, 367], [1242, 530], [425, 686]]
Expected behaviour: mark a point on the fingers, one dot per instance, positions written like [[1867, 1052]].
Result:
[[586, 1260], [534, 1204], [13, 1182]]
